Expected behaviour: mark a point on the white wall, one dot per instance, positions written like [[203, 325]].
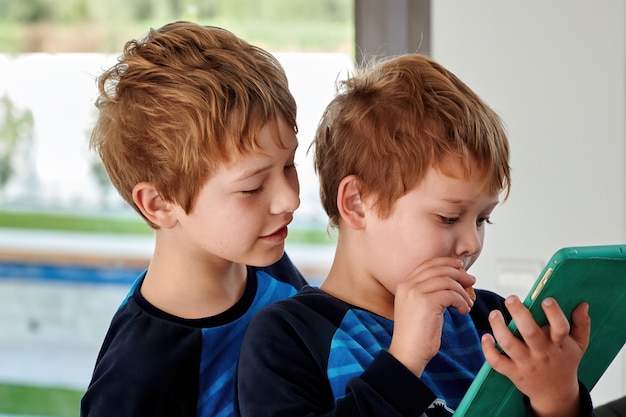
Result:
[[554, 70]]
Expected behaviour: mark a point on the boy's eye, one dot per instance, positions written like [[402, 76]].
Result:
[[482, 220], [448, 220], [290, 166], [254, 191]]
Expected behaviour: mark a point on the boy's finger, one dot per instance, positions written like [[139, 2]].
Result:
[[507, 341], [501, 358], [531, 333], [437, 263], [494, 357], [581, 325], [559, 325]]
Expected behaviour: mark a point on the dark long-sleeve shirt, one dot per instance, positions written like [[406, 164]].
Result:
[[154, 364], [315, 355]]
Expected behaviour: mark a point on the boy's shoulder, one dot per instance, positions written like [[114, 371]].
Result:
[[141, 333], [143, 339], [309, 298], [285, 271], [268, 285], [144, 351], [310, 307]]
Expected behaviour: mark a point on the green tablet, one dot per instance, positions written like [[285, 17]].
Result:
[[592, 274]]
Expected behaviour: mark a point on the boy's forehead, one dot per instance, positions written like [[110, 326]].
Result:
[[253, 162], [248, 166], [454, 182], [462, 169], [242, 165]]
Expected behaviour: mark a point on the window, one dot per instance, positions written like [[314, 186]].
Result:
[[69, 246]]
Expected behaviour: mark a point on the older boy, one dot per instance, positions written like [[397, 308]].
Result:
[[197, 131], [411, 165]]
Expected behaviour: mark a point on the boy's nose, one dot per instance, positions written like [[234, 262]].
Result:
[[470, 242], [286, 199]]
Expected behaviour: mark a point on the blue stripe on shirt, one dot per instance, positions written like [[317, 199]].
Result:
[[221, 345]]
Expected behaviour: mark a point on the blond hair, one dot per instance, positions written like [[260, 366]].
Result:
[[393, 120], [181, 102]]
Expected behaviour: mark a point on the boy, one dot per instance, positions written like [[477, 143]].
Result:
[[411, 165], [197, 131]]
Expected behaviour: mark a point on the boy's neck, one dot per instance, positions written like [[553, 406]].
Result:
[[347, 282], [192, 288]]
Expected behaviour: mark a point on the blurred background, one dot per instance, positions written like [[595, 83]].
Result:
[[69, 246]]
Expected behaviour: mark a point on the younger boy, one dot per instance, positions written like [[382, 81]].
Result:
[[197, 131], [411, 165]]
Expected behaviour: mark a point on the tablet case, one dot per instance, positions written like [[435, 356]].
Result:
[[593, 274]]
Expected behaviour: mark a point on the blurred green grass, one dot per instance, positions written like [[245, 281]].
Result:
[[72, 223], [125, 225], [39, 401]]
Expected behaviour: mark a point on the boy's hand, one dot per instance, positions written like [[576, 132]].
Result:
[[419, 305], [544, 366]]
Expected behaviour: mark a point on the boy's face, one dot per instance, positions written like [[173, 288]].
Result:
[[242, 212], [442, 216]]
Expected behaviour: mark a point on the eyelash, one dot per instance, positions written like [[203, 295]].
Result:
[[289, 167], [484, 220], [252, 192], [452, 220]]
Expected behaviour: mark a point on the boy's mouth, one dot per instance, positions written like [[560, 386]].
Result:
[[278, 235]]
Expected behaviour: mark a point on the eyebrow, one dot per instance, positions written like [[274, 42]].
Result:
[[252, 172], [457, 202], [256, 171], [452, 201]]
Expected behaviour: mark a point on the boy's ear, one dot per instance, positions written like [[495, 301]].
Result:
[[349, 203], [157, 210]]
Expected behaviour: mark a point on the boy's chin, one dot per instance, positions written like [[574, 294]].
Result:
[[267, 258]]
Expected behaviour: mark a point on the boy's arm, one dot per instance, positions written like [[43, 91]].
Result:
[[282, 372], [111, 396], [389, 379], [120, 390]]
